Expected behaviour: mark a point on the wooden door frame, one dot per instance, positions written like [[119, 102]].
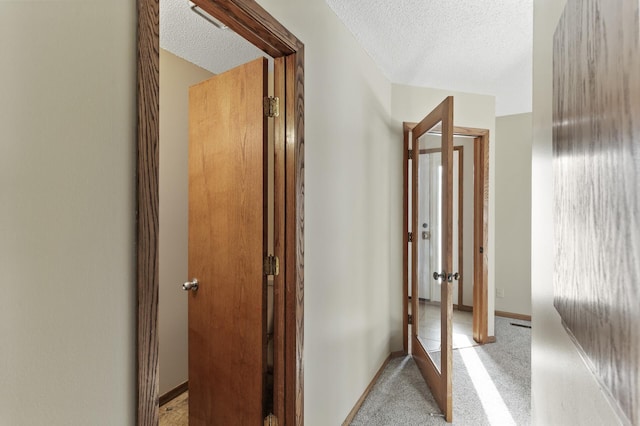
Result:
[[256, 25], [480, 231]]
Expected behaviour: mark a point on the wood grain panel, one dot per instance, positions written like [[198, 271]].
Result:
[[405, 236], [483, 206], [446, 314], [253, 23], [596, 149], [481, 239], [227, 244], [294, 235], [148, 92]]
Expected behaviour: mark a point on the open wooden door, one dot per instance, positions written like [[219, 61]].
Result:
[[227, 247], [432, 220]]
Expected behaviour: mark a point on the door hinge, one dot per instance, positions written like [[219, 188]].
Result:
[[271, 106], [410, 154], [271, 265], [410, 237], [410, 319], [271, 420]]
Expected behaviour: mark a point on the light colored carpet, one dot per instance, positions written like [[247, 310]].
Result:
[[491, 386]]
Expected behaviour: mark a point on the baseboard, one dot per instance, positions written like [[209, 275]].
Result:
[[491, 339], [178, 390], [356, 407], [513, 316], [464, 308]]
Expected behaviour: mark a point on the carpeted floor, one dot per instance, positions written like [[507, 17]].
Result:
[[491, 386]]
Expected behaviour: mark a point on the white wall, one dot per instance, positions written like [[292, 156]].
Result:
[[469, 110], [352, 214], [513, 213], [176, 75], [563, 390], [67, 213]]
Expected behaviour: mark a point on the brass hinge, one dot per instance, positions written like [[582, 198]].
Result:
[[271, 106], [271, 420], [271, 265], [410, 154], [410, 319], [410, 237]]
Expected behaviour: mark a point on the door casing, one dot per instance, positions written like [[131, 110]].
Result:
[[480, 232], [256, 25]]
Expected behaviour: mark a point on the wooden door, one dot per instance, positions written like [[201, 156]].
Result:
[[431, 343], [227, 245]]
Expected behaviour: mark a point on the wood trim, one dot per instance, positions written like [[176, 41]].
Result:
[[251, 21], [279, 179], [457, 130], [415, 296], [171, 394], [513, 315], [405, 238], [484, 166], [460, 150], [365, 394], [294, 238], [477, 238], [481, 231], [446, 316], [147, 195], [428, 370]]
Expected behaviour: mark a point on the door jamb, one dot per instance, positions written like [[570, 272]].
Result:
[[256, 25], [480, 232]]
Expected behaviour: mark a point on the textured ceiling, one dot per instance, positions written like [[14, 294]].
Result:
[[476, 46], [188, 35]]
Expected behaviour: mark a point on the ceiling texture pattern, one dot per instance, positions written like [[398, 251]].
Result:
[[475, 46], [191, 37]]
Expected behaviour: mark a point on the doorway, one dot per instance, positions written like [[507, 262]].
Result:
[[431, 189], [479, 274], [253, 23]]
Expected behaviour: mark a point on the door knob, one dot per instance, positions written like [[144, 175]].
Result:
[[190, 285], [452, 277], [437, 276]]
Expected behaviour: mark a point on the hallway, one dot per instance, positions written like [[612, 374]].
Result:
[[491, 386]]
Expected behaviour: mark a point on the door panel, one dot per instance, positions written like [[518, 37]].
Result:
[[227, 245], [435, 133]]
